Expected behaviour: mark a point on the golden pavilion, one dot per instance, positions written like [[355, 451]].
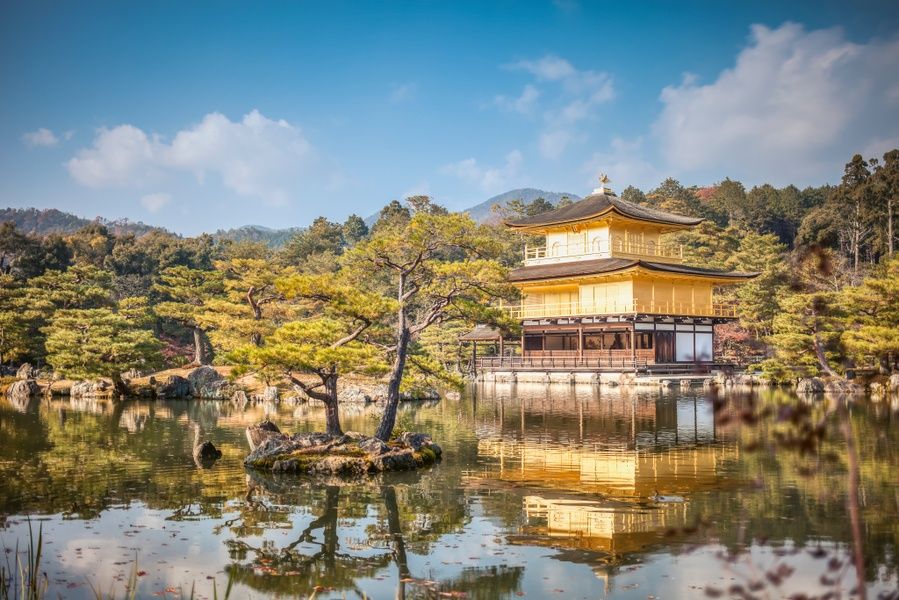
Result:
[[605, 288]]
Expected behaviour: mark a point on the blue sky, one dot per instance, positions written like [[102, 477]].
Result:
[[198, 116]]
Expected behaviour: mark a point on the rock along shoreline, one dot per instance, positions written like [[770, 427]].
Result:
[[349, 454]]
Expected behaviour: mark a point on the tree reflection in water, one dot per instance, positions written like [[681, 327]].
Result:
[[582, 483]]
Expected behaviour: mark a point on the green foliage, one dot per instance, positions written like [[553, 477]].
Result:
[[392, 215], [185, 291], [354, 230], [759, 299], [15, 340], [440, 268], [308, 347], [250, 307], [872, 321], [95, 342], [92, 245], [321, 237], [672, 197]]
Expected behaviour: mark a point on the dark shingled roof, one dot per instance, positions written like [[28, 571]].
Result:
[[481, 333], [598, 204], [611, 265]]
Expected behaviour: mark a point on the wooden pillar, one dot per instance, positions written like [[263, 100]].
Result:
[[634, 343], [580, 341], [522, 342], [474, 357]]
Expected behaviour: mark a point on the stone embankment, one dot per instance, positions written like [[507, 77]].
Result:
[[205, 382], [346, 454]]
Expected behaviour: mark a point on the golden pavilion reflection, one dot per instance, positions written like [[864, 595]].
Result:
[[626, 478]]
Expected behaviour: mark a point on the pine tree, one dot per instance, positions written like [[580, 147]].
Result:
[[805, 337], [438, 268], [14, 338], [760, 298], [354, 230], [187, 292], [335, 339], [251, 306], [102, 342], [872, 321]]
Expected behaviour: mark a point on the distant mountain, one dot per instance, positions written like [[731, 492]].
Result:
[[483, 212], [45, 221], [274, 238], [42, 222]]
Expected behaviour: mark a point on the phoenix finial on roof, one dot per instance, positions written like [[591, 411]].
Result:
[[603, 180]]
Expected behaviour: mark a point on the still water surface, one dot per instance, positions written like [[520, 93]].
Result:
[[544, 492]]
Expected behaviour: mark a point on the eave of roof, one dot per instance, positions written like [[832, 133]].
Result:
[[595, 206], [603, 266]]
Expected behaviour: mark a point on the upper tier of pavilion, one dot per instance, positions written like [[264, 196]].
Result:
[[602, 226]]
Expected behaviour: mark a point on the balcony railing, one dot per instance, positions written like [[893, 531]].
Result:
[[603, 249], [584, 309]]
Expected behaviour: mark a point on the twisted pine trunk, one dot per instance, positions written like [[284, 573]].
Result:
[[385, 428], [199, 349], [332, 416]]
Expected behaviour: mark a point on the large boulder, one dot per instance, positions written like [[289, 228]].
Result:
[[256, 434], [374, 446], [810, 385], [324, 454], [271, 394], [132, 374], [205, 382], [205, 454], [893, 383], [239, 399], [174, 386], [26, 371], [842, 386], [23, 389], [352, 394], [91, 388], [415, 440]]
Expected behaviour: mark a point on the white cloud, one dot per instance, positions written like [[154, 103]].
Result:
[[794, 107], [120, 156], [573, 97], [401, 92], [523, 104], [547, 68], [488, 179], [42, 137], [155, 202], [256, 156]]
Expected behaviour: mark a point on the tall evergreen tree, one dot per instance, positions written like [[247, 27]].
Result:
[[438, 268], [354, 230], [101, 342], [186, 291], [871, 327], [332, 341]]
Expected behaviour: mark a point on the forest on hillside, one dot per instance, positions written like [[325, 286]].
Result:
[[98, 301]]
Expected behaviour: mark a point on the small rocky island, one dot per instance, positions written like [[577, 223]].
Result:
[[350, 453]]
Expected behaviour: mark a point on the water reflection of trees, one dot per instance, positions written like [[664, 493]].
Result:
[[79, 457], [537, 462], [392, 522]]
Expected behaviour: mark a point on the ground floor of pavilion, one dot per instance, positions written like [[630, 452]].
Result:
[[604, 343]]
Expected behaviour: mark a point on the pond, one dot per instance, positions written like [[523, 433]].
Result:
[[545, 491]]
